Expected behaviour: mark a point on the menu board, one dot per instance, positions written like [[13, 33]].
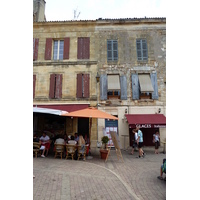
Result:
[[106, 132]]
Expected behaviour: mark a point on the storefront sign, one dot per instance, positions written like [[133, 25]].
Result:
[[147, 126]]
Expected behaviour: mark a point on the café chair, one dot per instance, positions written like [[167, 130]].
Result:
[[70, 150], [59, 150], [82, 150], [36, 148]]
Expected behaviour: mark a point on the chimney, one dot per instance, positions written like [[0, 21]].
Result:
[[39, 10]]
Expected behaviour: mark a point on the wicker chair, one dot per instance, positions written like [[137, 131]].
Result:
[[71, 149], [59, 150], [36, 148], [82, 150]]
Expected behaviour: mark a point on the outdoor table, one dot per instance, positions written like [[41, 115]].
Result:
[[124, 142]]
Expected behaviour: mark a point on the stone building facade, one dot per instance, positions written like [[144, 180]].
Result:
[[116, 65]]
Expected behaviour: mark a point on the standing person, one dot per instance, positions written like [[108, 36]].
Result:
[[140, 142], [134, 141], [156, 139], [45, 142]]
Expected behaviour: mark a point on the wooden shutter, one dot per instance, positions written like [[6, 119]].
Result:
[[52, 86], [135, 86], [35, 48], [139, 49], [66, 48], [58, 87], [86, 84], [115, 50], [123, 87], [109, 50], [144, 50], [86, 48], [79, 51], [79, 89], [103, 87], [48, 48], [34, 82], [155, 85], [83, 51]]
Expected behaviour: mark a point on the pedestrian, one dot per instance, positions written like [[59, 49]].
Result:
[[134, 141], [140, 142], [156, 140]]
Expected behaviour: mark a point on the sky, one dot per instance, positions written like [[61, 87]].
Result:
[[58, 10]]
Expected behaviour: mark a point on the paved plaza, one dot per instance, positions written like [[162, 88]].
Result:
[[94, 179]]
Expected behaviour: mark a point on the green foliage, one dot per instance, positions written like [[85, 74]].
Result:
[[105, 139]]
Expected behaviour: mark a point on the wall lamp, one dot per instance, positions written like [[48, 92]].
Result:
[[97, 77]]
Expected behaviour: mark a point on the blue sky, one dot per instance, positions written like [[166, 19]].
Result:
[[94, 9]]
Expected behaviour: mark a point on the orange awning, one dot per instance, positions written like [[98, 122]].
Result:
[[91, 112]]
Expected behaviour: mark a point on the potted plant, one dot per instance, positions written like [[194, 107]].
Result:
[[104, 151]]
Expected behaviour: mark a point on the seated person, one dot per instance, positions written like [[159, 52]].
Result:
[[162, 170], [36, 138], [66, 138], [72, 141], [60, 141], [87, 141], [76, 137], [81, 141], [45, 143]]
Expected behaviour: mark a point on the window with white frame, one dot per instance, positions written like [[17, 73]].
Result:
[[58, 49]]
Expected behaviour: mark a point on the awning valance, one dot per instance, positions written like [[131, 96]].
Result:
[[63, 107], [146, 120], [49, 111]]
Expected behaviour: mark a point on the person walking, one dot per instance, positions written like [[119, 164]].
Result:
[[140, 142], [134, 141], [156, 140]]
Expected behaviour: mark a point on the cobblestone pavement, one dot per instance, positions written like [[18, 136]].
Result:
[[93, 179]]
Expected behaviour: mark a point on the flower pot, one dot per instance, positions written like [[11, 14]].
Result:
[[103, 153]]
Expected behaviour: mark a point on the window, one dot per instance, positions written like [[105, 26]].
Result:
[[55, 90], [144, 86], [142, 54], [113, 87], [58, 49], [83, 51], [112, 50], [83, 81]]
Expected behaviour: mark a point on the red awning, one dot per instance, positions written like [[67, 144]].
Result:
[[146, 120], [65, 107]]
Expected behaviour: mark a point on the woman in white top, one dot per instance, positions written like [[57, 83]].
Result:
[[156, 139]]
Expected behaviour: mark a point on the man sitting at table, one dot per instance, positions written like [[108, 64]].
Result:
[[46, 143]]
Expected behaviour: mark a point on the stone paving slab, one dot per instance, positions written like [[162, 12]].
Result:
[[95, 179]]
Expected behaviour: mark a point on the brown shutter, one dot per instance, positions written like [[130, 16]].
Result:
[[79, 51], [48, 48], [35, 48], [86, 50], [52, 86], [83, 48], [34, 81], [58, 91], [66, 48], [86, 83], [79, 86]]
